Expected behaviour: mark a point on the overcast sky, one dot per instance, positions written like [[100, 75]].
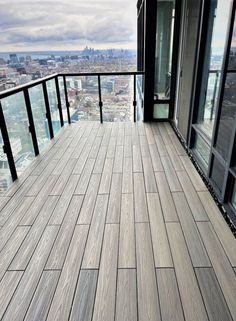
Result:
[[67, 24]]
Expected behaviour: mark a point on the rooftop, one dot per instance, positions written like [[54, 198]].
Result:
[[113, 222]]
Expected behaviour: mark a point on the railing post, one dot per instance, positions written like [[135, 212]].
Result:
[[59, 101], [134, 101], [48, 113], [7, 145], [67, 101], [100, 98], [31, 122]]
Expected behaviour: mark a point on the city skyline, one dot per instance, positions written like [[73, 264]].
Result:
[[98, 23]]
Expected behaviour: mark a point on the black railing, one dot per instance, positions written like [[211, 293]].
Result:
[[38, 122]]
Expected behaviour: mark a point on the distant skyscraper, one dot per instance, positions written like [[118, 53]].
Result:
[[2, 61], [13, 58], [28, 58]]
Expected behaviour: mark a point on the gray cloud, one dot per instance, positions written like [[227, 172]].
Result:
[[26, 23]]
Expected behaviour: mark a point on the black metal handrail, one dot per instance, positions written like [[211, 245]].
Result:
[[43, 81], [20, 88], [15, 90]]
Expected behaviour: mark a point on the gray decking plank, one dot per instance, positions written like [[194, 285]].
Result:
[[99, 163], [148, 306], [39, 201], [192, 197], [94, 243], [223, 269], [161, 247], [175, 159], [8, 286], [25, 290], [193, 174], [106, 177], [220, 226], [60, 247], [11, 248], [149, 177], [170, 302], [171, 176], [118, 160], [166, 199], [216, 306], [63, 297], [128, 146], [30, 243], [16, 199], [160, 145], [83, 303], [104, 308], [111, 147], [43, 295], [85, 177], [144, 146], [127, 233], [156, 160], [140, 207], [86, 211], [13, 221], [193, 305], [137, 160], [193, 239], [126, 302], [64, 201], [127, 179], [113, 212]]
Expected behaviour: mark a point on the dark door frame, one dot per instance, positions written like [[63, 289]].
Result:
[[150, 23]]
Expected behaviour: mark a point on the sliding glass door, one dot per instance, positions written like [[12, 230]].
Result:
[[212, 64], [163, 58]]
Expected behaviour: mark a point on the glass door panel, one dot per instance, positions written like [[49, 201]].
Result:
[[163, 58], [228, 109], [214, 53]]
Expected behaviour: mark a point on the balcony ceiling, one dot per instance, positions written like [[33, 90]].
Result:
[[113, 222]]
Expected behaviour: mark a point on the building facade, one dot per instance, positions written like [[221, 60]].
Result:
[[187, 49]]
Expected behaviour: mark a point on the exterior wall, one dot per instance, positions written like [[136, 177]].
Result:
[[189, 47]]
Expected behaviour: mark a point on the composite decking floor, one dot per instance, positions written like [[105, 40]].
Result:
[[113, 223]]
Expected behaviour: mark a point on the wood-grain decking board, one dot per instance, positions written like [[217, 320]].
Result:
[[114, 223]]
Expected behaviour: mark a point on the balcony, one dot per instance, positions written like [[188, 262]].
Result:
[[110, 221]]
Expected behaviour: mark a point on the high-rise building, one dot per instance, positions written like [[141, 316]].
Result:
[[187, 50], [13, 58], [2, 61]]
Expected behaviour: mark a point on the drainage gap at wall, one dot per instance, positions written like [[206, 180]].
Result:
[[205, 180]]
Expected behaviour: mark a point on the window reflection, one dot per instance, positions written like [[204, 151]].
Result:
[[233, 198], [216, 40], [227, 118], [228, 110], [202, 149], [164, 46]]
